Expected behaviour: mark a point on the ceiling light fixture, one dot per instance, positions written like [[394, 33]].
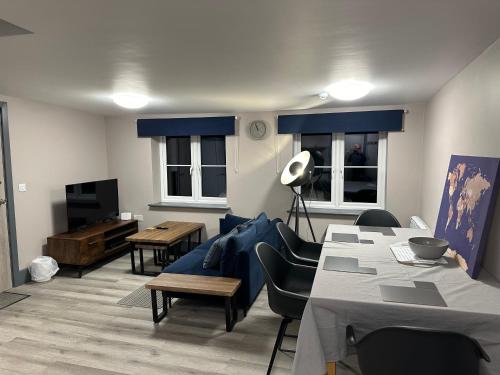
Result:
[[349, 89], [131, 101], [323, 95]]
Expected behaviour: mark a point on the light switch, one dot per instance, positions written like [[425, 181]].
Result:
[[22, 187]]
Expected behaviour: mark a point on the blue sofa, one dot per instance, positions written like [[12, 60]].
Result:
[[238, 258]]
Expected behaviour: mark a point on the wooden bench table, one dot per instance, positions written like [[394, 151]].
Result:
[[161, 238], [185, 286]]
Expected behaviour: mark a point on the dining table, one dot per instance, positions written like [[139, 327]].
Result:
[[339, 299]]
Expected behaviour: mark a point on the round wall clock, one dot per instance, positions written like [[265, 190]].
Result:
[[258, 129]]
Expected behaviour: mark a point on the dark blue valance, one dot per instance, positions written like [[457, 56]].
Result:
[[342, 122], [185, 126]]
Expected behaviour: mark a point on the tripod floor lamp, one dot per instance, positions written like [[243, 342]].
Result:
[[298, 172]]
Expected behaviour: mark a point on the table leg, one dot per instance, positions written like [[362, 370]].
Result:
[[235, 309], [165, 298], [199, 236], [165, 260], [154, 306], [155, 258], [132, 257], [331, 368], [141, 260], [231, 313]]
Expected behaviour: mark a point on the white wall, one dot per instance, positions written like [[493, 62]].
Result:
[[54, 146], [464, 118], [51, 146], [255, 186]]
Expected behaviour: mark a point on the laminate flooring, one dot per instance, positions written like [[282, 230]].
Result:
[[75, 326]]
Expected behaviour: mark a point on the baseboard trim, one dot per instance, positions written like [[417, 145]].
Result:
[[21, 277]]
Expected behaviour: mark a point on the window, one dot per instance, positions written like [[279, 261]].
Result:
[[193, 169], [349, 171]]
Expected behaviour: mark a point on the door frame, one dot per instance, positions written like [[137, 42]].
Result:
[[18, 276]]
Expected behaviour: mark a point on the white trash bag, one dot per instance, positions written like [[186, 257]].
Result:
[[43, 268]]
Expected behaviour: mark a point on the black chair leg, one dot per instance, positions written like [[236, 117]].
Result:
[[279, 340]]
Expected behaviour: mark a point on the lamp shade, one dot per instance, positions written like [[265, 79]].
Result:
[[299, 170]]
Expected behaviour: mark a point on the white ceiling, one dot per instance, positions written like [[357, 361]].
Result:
[[238, 55]]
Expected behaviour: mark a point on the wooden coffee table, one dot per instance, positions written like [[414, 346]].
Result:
[[161, 238], [185, 286]]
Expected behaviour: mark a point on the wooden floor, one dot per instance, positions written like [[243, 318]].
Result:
[[74, 326]]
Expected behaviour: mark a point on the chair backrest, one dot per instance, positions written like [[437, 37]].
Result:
[[377, 218], [292, 241], [276, 270], [417, 351]]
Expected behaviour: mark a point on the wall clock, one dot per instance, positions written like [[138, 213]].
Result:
[[258, 129]]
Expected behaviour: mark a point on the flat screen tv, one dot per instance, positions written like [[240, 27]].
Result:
[[92, 202]]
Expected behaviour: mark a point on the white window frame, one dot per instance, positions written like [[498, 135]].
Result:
[[337, 176], [195, 171]]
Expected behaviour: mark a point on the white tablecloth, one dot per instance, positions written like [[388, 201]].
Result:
[[339, 299]]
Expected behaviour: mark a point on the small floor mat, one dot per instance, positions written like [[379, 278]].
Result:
[[9, 298], [140, 298]]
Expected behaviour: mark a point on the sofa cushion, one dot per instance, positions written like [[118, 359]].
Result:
[[248, 267], [206, 245], [229, 222], [241, 241], [261, 223], [212, 259], [192, 264]]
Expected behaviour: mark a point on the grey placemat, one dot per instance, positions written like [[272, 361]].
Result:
[[346, 264], [386, 231], [345, 237], [424, 293]]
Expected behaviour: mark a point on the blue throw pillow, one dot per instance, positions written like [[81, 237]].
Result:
[[229, 222], [212, 259]]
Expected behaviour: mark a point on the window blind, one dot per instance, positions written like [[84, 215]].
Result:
[[185, 126], [342, 122]]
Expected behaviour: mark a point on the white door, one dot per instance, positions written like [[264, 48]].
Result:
[[5, 275]]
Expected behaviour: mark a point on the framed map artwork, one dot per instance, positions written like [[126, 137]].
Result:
[[467, 206]]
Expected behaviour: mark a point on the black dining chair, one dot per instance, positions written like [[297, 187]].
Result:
[[298, 250], [288, 289], [416, 351], [377, 218]]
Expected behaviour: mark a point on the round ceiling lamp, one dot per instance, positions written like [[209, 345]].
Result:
[[323, 95], [130, 100], [299, 170], [349, 89]]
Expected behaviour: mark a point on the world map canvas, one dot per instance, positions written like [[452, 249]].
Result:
[[467, 205]]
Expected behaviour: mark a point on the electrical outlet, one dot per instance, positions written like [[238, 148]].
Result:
[[23, 187], [139, 217]]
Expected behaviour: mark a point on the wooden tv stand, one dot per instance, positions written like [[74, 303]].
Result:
[[88, 246]]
